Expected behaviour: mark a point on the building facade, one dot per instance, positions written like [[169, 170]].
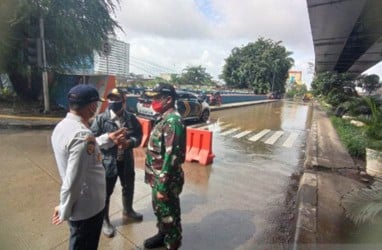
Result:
[[295, 76], [115, 62]]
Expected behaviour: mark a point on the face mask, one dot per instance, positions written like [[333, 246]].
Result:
[[157, 105], [115, 105]]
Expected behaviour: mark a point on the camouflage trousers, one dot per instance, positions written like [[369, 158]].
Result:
[[168, 215]]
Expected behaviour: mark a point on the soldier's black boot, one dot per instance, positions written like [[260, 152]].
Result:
[[154, 241], [128, 211], [107, 228]]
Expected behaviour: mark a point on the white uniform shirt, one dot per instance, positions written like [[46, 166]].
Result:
[[78, 158]]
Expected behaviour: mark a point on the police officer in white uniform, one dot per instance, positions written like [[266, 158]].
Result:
[[78, 157]]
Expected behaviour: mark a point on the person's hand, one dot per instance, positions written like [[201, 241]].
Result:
[[118, 136], [56, 217], [161, 197], [125, 144]]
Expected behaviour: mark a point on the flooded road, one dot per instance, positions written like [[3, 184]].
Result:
[[256, 176], [243, 200]]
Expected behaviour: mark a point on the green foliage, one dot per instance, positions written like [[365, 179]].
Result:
[[336, 96], [365, 204], [369, 83], [73, 31], [175, 79], [152, 83], [355, 106], [374, 129], [195, 75], [262, 66], [297, 91], [326, 82], [335, 88], [354, 138]]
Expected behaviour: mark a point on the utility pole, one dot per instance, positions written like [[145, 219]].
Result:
[[106, 49], [44, 68]]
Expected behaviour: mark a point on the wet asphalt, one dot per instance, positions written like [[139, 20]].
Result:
[[221, 209]]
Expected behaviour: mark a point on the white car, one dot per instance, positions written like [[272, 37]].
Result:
[[189, 106]]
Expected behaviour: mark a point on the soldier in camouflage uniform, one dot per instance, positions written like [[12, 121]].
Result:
[[164, 158]]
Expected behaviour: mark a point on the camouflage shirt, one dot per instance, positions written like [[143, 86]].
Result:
[[166, 152]]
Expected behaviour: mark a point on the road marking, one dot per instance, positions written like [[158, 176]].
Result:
[[225, 126], [259, 135], [291, 139], [230, 131], [206, 126], [274, 137], [244, 133]]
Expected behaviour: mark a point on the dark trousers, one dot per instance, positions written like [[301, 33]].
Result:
[[126, 176], [84, 234]]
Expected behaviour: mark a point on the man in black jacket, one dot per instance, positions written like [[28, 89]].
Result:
[[118, 160]]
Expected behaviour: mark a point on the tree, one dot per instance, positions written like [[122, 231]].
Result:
[[297, 90], [329, 81], [175, 79], [335, 88], [262, 65], [196, 75], [369, 83], [73, 30]]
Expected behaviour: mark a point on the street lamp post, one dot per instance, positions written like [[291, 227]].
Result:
[[44, 68]]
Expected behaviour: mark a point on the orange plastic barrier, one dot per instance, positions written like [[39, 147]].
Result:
[[146, 129], [199, 146]]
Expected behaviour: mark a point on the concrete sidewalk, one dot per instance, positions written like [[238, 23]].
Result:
[[329, 173]]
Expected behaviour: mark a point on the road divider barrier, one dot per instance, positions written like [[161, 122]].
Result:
[[198, 142], [199, 146], [146, 130]]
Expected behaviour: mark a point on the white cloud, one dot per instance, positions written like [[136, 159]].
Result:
[[175, 34]]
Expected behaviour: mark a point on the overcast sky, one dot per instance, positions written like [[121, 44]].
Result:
[[169, 35]]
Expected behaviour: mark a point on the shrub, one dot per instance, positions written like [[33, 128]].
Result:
[[354, 138]]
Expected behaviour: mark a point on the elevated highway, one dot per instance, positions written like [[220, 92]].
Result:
[[347, 34]]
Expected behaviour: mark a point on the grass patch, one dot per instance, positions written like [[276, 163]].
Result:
[[354, 138]]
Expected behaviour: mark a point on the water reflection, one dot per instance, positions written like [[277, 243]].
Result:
[[255, 117]]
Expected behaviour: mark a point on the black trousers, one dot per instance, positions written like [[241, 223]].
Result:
[[126, 177], [84, 234]]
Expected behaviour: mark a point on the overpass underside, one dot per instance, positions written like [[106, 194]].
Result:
[[347, 34]]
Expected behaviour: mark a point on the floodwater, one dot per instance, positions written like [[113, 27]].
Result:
[[243, 200]]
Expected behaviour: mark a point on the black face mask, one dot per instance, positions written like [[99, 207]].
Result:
[[115, 105]]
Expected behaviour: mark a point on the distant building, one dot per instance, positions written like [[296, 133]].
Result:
[[166, 76], [295, 76], [116, 63]]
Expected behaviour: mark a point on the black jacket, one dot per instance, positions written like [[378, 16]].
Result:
[[104, 124]]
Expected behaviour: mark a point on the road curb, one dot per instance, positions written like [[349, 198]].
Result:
[[26, 125], [306, 226], [239, 104], [307, 194], [27, 122]]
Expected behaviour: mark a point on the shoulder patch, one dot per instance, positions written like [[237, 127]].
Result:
[[90, 144]]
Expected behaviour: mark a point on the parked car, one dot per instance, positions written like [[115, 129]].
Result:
[[190, 107], [275, 95]]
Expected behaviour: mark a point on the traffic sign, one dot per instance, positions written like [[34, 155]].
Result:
[[106, 48]]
